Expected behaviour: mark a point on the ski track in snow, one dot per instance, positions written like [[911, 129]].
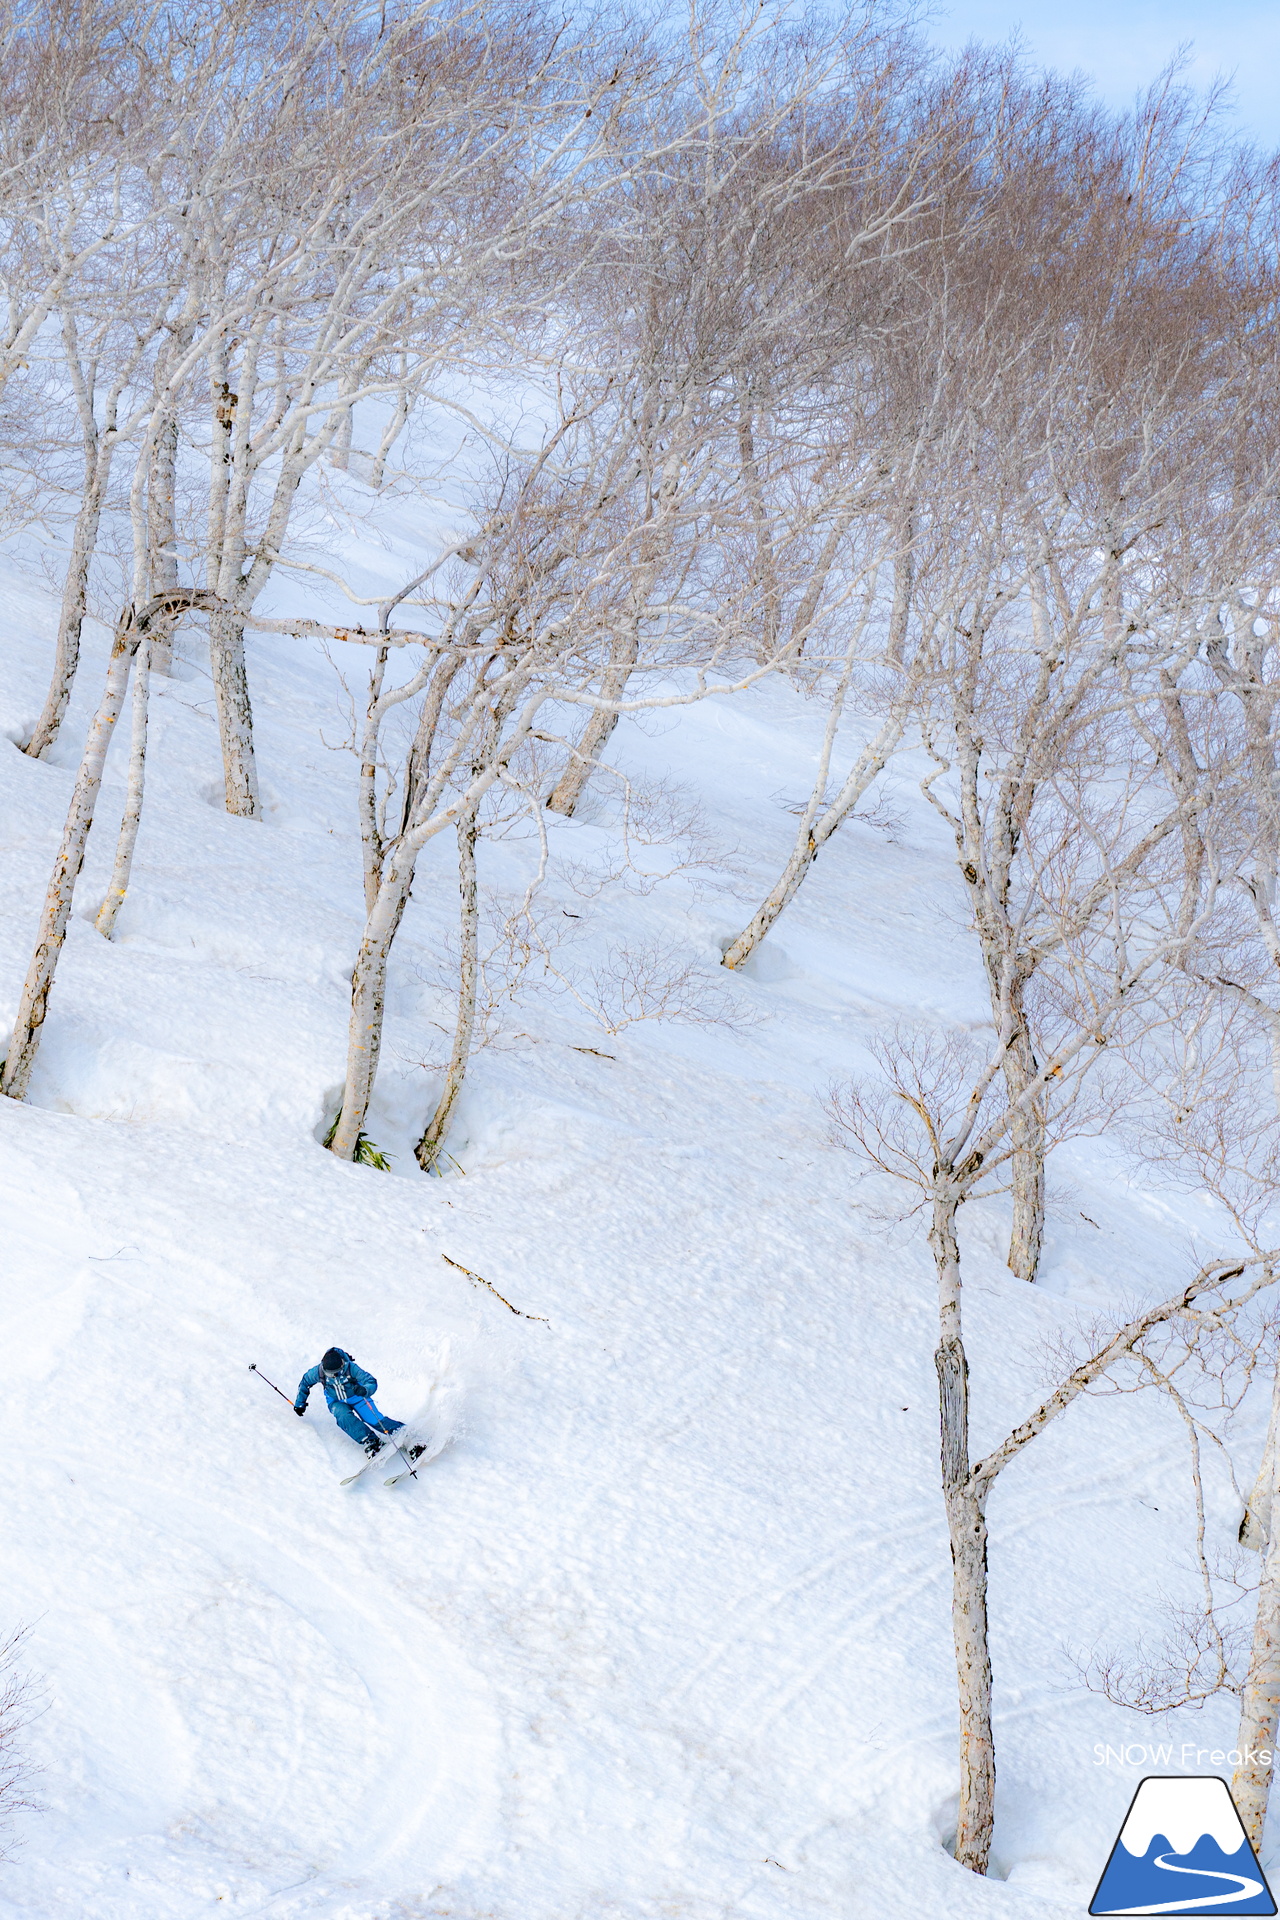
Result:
[[663, 1633]]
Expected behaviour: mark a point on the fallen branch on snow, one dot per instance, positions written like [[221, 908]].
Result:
[[494, 1291]]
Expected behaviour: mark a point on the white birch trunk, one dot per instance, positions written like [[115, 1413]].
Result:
[[1255, 1528], [70, 620], [368, 997], [418, 766], [395, 427], [226, 635], [371, 848], [817, 823], [235, 717], [815, 830], [623, 653], [967, 1528], [572, 783], [1026, 1238], [340, 451], [766, 565], [100, 442], [1027, 1136], [429, 1145], [120, 872], [99, 446], [223, 408], [162, 530], [1260, 1701], [32, 1007]]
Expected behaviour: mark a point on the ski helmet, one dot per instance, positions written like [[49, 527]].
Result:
[[333, 1361]]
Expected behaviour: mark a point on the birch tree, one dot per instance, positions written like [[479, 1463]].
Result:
[[122, 866], [781, 152], [1206, 1122], [884, 383], [943, 1150], [77, 244], [1260, 1694], [944, 1118], [1132, 903], [1043, 418], [314, 268], [1081, 529], [433, 1135], [106, 367], [74, 100], [352, 225], [885, 664], [136, 624], [570, 550], [1212, 1121]]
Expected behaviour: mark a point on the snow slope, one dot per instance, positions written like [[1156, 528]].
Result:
[[664, 1631]]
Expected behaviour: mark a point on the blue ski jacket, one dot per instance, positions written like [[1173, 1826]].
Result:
[[353, 1383]]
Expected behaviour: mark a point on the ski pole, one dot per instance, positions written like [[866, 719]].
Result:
[[254, 1368]]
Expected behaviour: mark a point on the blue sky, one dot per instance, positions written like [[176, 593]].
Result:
[[1121, 44]]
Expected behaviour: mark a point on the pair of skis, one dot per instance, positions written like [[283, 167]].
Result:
[[410, 1470]]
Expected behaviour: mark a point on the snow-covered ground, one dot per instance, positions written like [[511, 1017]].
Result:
[[664, 1631]]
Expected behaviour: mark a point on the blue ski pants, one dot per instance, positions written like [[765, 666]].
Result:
[[355, 1417]]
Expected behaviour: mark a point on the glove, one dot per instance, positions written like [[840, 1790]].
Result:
[[299, 1411]]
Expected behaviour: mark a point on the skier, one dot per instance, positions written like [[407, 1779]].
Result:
[[349, 1391]]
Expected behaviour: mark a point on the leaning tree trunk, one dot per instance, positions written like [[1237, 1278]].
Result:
[[1260, 1701], [119, 886], [33, 1005], [569, 789], [967, 1528], [395, 427], [131, 629], [235, 717], [70, 621], [429, 1146], [1026, 1137], [815, 830]]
